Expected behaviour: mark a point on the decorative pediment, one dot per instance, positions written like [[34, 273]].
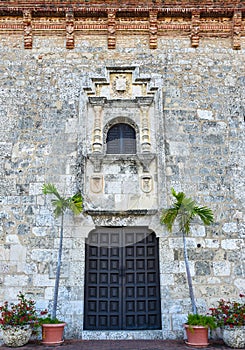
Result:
[[122, 83]]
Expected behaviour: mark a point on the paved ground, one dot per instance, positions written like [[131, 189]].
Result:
[[119, 345]]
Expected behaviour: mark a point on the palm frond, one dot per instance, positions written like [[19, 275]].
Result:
[[184, 211], [168, 217], [60, 204], [205, 214], [179, 196], [76, 203], [50, 189]]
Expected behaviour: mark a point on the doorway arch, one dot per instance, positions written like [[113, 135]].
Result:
[[122, 285]]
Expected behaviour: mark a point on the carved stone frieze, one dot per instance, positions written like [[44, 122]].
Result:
[[152, 18]]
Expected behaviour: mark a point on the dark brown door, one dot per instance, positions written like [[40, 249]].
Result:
[[122, 289]]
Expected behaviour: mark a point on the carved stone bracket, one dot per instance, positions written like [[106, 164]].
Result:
[[237, 24], [153, 29], [70, 30], [96, 160], [195, 28], [145, 160], [27, 24], [111, 29]]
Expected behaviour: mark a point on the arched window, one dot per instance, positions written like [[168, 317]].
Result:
[[121, 139]]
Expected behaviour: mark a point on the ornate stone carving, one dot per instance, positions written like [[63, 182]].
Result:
[[145, 130], [146, 183], [111, 29], [195, 28], [121, 85], [95, 18], [27, 22], [69, 30], [96, 183], [153, 29], [97, 130], [96, 160], [237, 23]]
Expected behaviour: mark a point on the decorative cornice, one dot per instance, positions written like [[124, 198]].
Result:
[[154, 18]]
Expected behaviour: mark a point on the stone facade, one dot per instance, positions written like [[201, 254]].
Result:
[[56, 107]]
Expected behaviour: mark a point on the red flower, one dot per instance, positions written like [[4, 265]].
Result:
[[229, 313], [22, 313]]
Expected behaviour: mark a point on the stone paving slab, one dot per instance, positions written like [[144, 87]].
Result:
[[120, 345]]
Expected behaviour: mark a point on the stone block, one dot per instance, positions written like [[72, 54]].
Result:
[[232, 244], [205, 114], [18, 253], [221, 268], [20, 280]]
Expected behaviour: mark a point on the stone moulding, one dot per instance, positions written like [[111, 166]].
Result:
[[111, 18], [128, 213]]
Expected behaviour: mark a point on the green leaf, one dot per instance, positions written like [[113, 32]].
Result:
[[76, 203], [184, 210], [60, 204], [50, 189]]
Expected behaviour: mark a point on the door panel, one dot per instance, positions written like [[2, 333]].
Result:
[[122, 289]]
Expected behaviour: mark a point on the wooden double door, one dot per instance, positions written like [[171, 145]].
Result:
[[122, 288]]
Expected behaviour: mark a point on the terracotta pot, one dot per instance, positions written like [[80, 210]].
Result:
[[52, 334], [234, 337], [197, 336], [15, 336]]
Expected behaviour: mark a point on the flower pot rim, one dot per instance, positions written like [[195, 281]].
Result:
[[61, 324], [194, 326], [233, 327]]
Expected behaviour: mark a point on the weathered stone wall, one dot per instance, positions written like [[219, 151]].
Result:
[[201, 151]]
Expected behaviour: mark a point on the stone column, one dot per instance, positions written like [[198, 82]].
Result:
[[97, 130], [145, 131]]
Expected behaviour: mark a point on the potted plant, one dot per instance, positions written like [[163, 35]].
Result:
[[18, 321], [52, 328], [197, 327], [230, 316], [184, 211]]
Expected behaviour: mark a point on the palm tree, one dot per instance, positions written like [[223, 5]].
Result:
[[184, 210], [61, 204]]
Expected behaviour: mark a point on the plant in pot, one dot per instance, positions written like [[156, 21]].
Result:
[[197, 327], [230, 317], [52, 328], [18, 321], [183, 211]]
